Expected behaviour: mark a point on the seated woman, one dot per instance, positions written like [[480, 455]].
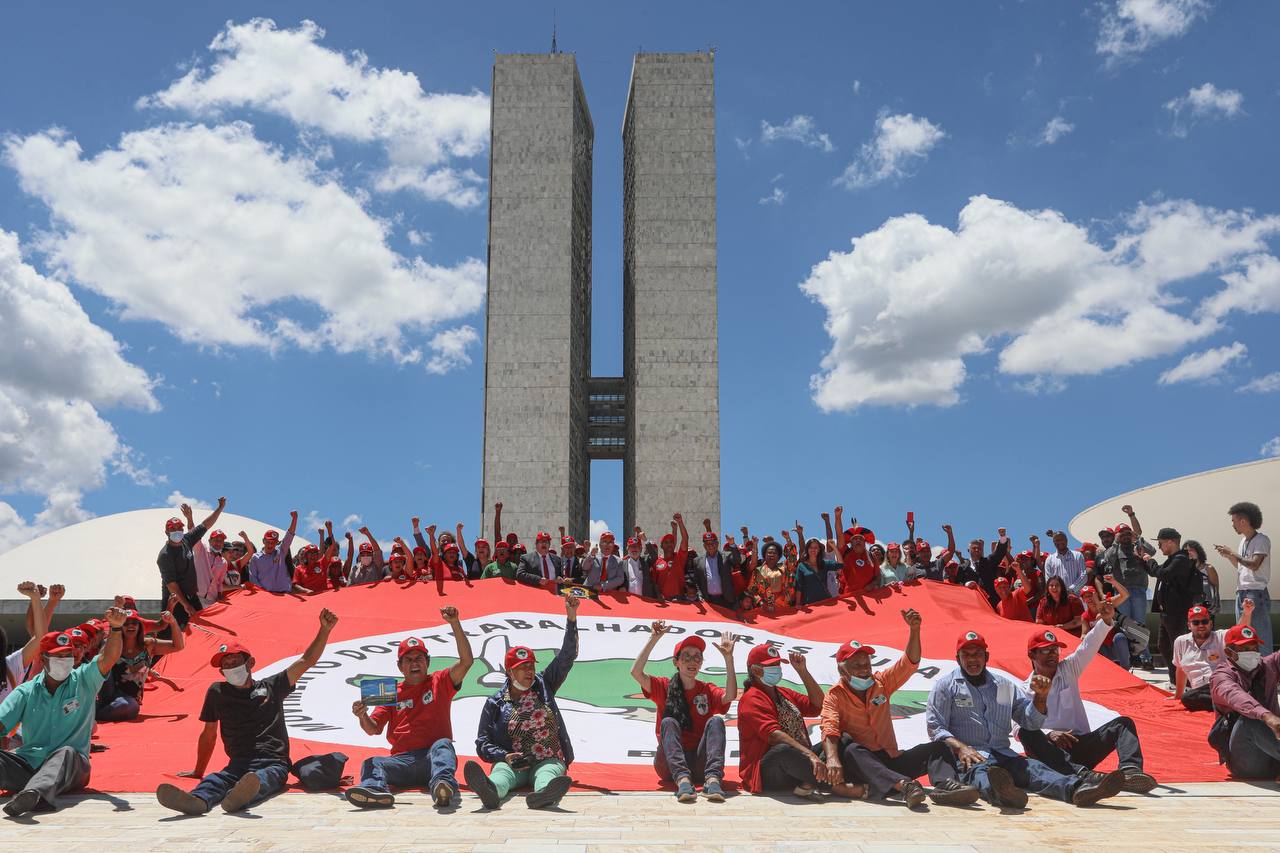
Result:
[[1059, 608], [691, 735], [775, 754], [1115, 647], [522, 734], [120, 697]]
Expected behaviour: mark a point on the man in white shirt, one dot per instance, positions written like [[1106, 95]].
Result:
[[1065, 742], [635, 568], [1066, 564], [1197, 652], [1252, 560]]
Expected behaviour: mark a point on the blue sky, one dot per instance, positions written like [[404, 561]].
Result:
[[228, 281]]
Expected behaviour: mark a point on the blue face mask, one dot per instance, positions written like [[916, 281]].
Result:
[[860, 683], [771, 675]]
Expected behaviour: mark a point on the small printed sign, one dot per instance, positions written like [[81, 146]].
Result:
[[378, 691]]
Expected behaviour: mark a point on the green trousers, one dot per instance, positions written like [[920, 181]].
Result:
[[504, 777]]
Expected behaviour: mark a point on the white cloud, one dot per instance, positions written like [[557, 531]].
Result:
[[1204, 103], [1262, 385], [419, 238], [1271, 448], [798, 128], [352, 522], [1132, 27], [449, 349], [744, 147], [177, 499], [597, 527], [912, 300], [57, 369], [857, 88], [288, 73], [1057, 128], [213, 233], [778, 196], [900, 141], [1204, 366]]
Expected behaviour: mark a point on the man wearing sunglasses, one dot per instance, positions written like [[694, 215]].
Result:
[[1197, 652]]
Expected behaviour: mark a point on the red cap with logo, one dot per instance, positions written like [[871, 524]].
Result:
[[923, 545], [1002, 581], [893, 546], [763, 655], [57, 643], [480, 543], [668, 537], [543, 536], [1044, 640], [606, 537], [517, 655], [411, 644], [217, 534], [449, 546], [1240, 635], [1199, 612], [851, 648], [633, 542], [690, 642], [1123, 527], [567, 542], [272, 535], [231, 648], [366, 547], [710, 537], [172, 525], [970, 638]]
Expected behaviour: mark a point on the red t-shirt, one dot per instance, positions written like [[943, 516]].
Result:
[[1050, 615], [420, 716], [705, 701], [314, 578], [757, 719], [1015, 606], [858, 571], [668, 577]]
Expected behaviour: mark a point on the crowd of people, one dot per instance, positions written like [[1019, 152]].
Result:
[[61, 682]]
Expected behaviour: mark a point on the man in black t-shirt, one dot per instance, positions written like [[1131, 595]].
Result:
[[251, 714], [177, 564]]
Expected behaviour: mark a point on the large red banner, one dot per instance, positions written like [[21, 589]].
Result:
[[610, 723]]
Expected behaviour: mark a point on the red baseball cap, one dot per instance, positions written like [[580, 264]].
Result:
[[231, 648], [692, 641], [922, 544], [1088, 548], [57, 643], [172, 525], [1240, 635], [419, 551], [79, 637], [606, 537], [519, 548], [1110, 530], [893, 546], [411, 644], [763, 655], [147, 624], [543, 536], [668, 537], [1199, 610], [270, 534], [1002, 581], [710, 537], [517, 655], [1120, 527], [366, 547], [567, 542], [399, 555], [970, 638], [128, 602], [449, 546], [501, 546], [633, 542], [851, 648], [1044, 640], [217, 534], [479, 542]]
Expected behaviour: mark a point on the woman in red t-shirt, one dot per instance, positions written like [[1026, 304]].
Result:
[[1060, 608], [1115, 647]]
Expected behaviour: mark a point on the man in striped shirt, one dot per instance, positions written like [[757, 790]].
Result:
[[1066, 564]]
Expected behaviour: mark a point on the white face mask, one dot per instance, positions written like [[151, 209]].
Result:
[[60, 667], [237, 675], [1248, 661], [366, 561], [175, 537], [522, 685]]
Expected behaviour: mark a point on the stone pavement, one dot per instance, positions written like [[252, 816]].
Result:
[[1204, 816]]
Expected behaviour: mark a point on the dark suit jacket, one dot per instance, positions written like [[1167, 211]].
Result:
[[530, 569], [696, 573]]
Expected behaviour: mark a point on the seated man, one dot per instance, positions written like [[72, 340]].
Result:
[[420, 733], [254, 736], [522, 733], [1197, 652], [1244, 693], [972, 710], [1064, 741], [55, 710], [775, 754], [691, 735], [857, 725]]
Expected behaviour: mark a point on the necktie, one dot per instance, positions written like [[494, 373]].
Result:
[[546, 572]]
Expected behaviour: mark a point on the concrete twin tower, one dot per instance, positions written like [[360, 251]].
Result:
[[545, 416]]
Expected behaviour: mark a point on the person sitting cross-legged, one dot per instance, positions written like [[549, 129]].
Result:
[[1245, 692], [418, 725], [55, 710], [691, 732], [522, 733], [1065, 741], [250, 713], [1197, 652], [973, 710], [858, 736]]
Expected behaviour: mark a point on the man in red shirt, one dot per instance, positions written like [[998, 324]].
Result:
[[691, 734], [859, 572], [418, 725], [668, 570], [1013, 602], [773, 741], [312, 572]]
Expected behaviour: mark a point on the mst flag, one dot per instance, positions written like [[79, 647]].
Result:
[[611, 724]]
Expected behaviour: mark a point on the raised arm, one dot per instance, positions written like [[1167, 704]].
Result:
[[684, 534], [462, 543], [840, 540], [1133, 520], [497, 522], [249, 550], [417, 535], [658, 629], [811, 685], [178, 640], [111, 650], [311, 656], [351, 554], [831, 541], [458, 671], [37, 621], [558, 670], [1246, 612], [213, 516], [725, 647]]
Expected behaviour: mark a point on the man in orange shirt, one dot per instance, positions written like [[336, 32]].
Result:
[[857, 725]]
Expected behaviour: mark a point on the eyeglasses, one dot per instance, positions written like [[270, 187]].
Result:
[[1201, 622]]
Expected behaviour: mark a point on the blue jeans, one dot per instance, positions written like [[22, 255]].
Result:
[[1253, 751], [1135, 608], [416, 769], [118, 709], [272, 772], [1028, 773], [1261, 621], [1118, 651]]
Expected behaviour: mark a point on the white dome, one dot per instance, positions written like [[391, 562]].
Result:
[[1196, 506], [103, 557]]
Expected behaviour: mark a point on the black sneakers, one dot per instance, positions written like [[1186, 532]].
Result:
[[1004, 791], [913, 793], [550, 796], [1089, 791], [173, 797], [949, 792], [479, 782]]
